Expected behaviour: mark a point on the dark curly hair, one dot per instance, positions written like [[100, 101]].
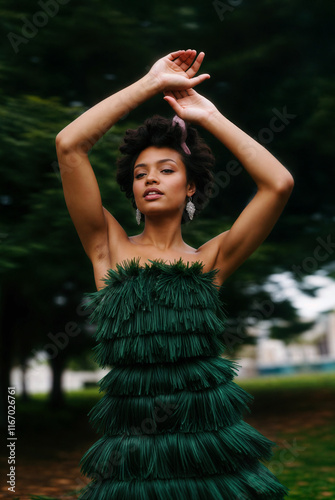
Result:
[[161, 132]]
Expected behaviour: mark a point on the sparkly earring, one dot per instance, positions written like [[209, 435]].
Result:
[[190, 208], [138, 216]]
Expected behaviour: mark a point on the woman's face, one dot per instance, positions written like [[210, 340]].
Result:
[[164, 170]]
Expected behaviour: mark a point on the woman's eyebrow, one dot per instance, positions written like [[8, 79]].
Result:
[[157, 162]]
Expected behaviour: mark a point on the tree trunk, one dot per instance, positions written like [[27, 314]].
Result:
[[24, 395], [56, 399]]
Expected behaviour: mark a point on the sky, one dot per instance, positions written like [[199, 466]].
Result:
[[283, 286]]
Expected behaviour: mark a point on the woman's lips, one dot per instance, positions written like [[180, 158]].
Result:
[[153, 196]]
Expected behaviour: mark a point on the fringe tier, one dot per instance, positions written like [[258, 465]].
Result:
[[171, 415], [248, 486]]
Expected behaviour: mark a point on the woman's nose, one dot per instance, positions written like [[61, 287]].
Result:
[[151, 177]]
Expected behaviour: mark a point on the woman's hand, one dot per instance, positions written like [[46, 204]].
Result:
[[190, 106], [177, 71]]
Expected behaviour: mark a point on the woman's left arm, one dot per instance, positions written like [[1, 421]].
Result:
[[267, 172], [274, 186], [274, 182]]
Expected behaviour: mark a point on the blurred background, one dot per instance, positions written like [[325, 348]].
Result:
[[271, 65]]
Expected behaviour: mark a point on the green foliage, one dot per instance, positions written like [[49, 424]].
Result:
[[262, 56]]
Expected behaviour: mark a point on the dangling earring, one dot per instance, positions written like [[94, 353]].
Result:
[[190, 208], [138, 216]]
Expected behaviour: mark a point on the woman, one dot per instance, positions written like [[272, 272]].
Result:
[[156, 323]]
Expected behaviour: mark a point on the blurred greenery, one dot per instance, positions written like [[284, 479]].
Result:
[[266, 58]]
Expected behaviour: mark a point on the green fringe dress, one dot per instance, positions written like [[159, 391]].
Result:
[[171, 418]]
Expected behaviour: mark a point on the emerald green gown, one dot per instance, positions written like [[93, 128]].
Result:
[[171, 418]]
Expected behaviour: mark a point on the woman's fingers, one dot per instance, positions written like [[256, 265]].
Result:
[[183, 93], [196, 65], [198, 79], [187, 60], [177, 71], [191, 66], [174, 55], [180, 84], [174, 104], [182, 55], [178, 94]]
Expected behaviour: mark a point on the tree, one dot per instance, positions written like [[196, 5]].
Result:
[[271, 71]]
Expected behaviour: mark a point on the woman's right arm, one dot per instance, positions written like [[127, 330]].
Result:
[[96, 227], [81, 191]]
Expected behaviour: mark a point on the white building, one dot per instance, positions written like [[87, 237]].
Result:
[[314, 350]]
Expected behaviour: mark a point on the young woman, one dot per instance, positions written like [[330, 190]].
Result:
[[156, 297]]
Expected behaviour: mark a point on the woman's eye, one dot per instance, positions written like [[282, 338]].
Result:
[[165, 170]]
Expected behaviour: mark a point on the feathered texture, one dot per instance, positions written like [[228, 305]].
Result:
[[182, 411], [255, 484], [157, 319], [192, 454], [147, 300], [195, 374], [171, 415], [155, 348]]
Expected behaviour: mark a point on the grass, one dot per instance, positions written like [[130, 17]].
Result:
[[307, 465], [305, 461], [292, 382], [297, 410]]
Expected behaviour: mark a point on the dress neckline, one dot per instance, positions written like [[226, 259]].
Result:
[[160, 262], [132, 266]]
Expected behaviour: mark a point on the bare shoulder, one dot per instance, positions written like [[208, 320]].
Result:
[[213, 245], [122, 247]]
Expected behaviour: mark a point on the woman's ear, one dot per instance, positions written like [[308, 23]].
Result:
[[191, 189]]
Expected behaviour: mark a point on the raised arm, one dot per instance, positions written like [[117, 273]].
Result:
[[96, 227], [274, 182]]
